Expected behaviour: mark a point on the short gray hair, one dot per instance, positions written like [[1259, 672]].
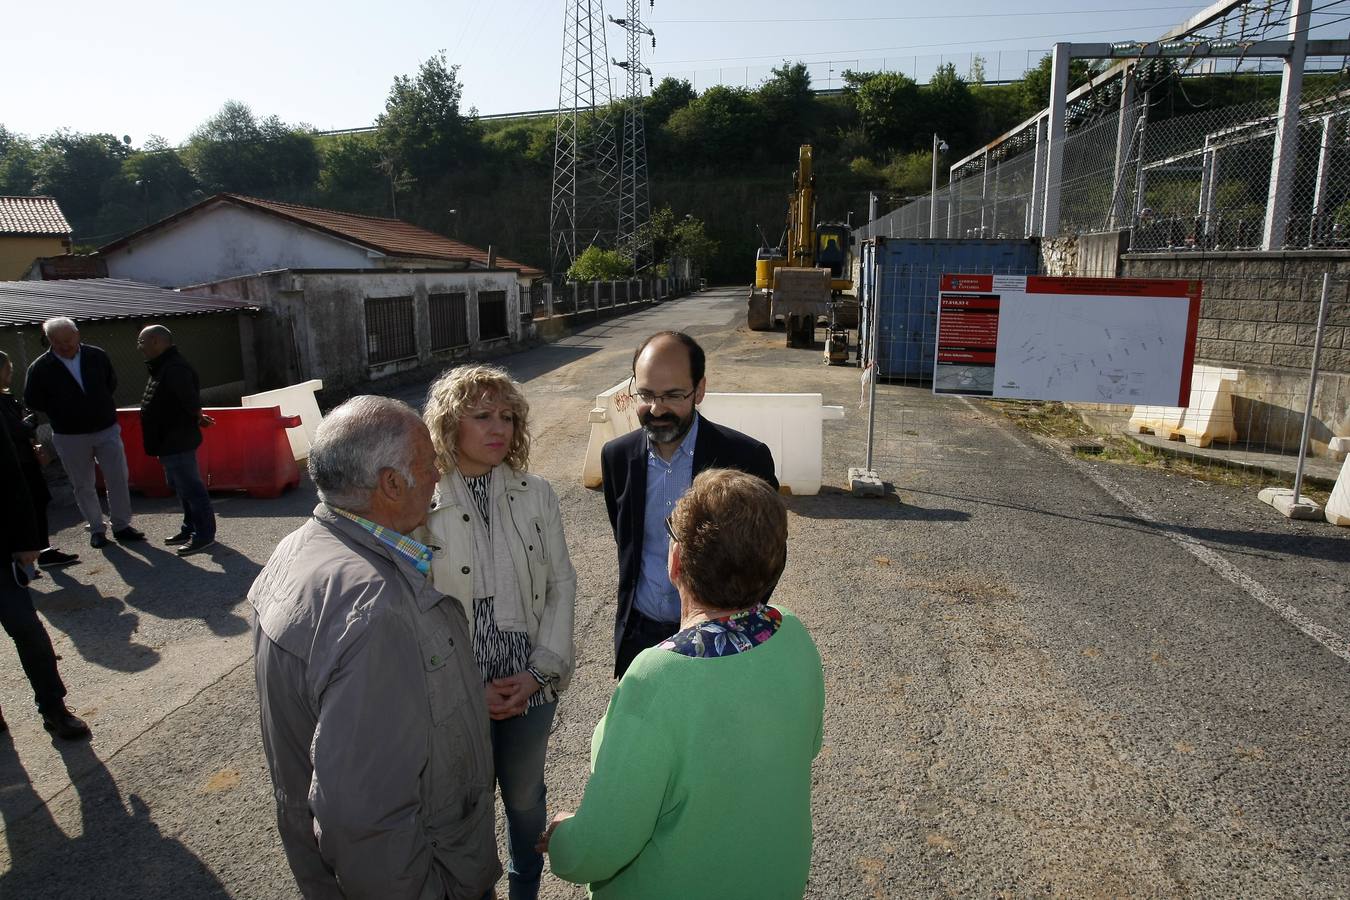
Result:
[[357, 441], [59, 323]]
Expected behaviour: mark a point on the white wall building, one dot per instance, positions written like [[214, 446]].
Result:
[[346, 298]]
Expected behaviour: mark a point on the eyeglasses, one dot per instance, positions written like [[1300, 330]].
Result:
[[669, 397], [670, 530]]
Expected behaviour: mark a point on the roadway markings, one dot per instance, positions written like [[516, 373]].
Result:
[[1329, 639]]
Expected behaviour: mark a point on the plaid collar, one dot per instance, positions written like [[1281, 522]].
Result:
[[417, 553]]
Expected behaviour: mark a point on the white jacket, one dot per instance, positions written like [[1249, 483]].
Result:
[[538, 548]]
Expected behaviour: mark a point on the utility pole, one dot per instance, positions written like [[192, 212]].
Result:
[[635, 207], [584, 207]]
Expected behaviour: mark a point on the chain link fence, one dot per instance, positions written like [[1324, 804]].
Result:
[[1172, 180]]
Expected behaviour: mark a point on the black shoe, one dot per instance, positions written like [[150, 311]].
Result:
[[128, 535], [98, 540], [64, 725], [181, 537], [196, 546], [51, 558]]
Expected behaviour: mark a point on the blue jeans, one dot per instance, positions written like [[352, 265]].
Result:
[[518, 749], [180, 469], [22, 624]]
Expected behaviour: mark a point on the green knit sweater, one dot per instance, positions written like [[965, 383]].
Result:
[[701, 777]]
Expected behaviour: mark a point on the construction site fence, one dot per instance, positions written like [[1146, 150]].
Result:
[[1195, 181], [1244, 426]]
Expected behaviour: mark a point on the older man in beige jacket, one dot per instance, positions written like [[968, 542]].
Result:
[[373, 717]]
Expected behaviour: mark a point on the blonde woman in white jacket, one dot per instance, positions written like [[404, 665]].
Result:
[[501, 551]]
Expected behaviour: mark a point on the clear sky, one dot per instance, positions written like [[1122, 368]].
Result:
[[144, 67]]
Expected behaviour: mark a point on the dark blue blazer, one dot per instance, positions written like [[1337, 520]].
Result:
[[623, 464]]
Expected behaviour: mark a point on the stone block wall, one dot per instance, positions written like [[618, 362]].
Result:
[[1259, 314]]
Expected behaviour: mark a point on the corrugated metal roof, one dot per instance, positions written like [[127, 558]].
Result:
[[32, 217], [94, 299], [392, 237]]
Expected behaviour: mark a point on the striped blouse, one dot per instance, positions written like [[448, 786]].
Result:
[[499, 653]]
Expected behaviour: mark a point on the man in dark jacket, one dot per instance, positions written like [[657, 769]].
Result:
[[73, 385], [19, 546], [647, 471], [171, 429]]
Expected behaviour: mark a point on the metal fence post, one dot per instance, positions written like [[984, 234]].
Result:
[[1124, 140], [1312, 384], [1054, 157], [873, 340], [1037, 180], [1284, 159]]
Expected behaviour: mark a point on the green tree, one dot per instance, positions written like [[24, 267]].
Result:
[[18, 163], [889, 108], [351, 164], [75, 168], [670, 236], [668, 95], [949, 108], [722, 127], [597, 264], [1034, 86], [234, 151], [787, 106], [421, 129]]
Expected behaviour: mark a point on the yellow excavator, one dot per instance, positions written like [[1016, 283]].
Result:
[[800, 282]]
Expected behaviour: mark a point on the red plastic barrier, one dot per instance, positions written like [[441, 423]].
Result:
[[246, 450]]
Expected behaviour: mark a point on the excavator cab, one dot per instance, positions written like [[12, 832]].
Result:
[[832, 249]]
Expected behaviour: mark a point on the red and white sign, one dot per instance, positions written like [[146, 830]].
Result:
[[1087, 340]]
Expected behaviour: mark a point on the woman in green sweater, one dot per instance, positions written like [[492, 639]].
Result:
[[706, 748]]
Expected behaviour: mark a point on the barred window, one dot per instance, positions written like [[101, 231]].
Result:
[[449, 320], [492, 315], [389, 329]]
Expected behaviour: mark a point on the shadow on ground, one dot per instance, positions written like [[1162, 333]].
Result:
[[117, 839]]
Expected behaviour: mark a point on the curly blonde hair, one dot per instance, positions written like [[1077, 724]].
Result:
[[459, 390]]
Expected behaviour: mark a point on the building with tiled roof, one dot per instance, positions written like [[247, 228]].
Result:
[[230, 235], [30, 227]]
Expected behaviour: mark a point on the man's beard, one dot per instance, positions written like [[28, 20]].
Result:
[[666, 429]]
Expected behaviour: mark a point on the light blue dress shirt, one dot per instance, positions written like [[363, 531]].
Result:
[[667, 482]]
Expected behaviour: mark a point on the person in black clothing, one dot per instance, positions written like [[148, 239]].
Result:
[[21, 432], [171, 429], [73, 384], [19, 546]]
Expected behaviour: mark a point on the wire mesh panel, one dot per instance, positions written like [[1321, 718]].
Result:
[[390, 334], [492, 319], [449, 315]]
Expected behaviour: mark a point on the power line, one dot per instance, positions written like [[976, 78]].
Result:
[[944, 17], [800, 54]]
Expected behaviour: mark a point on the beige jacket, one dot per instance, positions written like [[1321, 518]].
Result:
[[538, 548], [373, 721]]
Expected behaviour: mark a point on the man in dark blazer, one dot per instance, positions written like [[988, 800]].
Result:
[[73, 385], [646, 471], [20, 541]]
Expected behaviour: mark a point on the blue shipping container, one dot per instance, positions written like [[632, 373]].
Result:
[[899, 282]]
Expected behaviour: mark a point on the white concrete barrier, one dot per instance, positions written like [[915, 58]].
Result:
[[294, 400], [791, 425], [1338, 507], [1207, 419]]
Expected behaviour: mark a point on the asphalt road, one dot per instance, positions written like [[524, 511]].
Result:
[[1044, 676]]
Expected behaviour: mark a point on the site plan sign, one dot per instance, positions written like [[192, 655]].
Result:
[[1085, 340]]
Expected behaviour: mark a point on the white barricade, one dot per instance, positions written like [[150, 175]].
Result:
[[791, 425], [1338, 507], [1209, 417], [295, 400]]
